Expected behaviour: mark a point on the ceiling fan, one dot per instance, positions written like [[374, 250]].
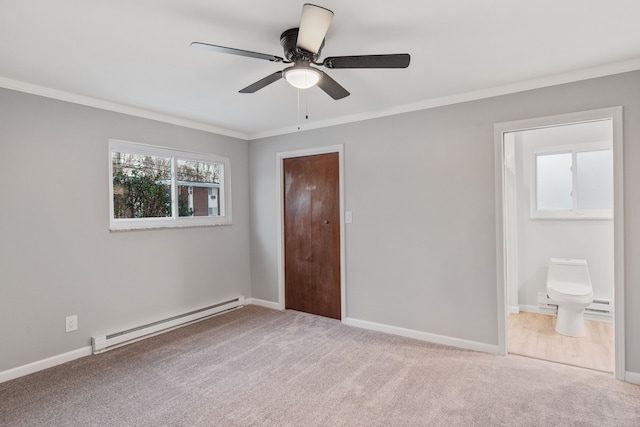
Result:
[[302, 47]]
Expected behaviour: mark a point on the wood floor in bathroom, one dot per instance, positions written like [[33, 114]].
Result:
[[534, 335]]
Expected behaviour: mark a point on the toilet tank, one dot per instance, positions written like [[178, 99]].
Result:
[[568, 270]]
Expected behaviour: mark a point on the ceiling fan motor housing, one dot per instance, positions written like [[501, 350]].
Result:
[[289, 41]]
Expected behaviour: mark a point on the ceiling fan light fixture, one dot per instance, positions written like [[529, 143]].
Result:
[[302, 77]]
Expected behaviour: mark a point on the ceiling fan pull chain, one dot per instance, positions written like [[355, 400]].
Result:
[[298, 115]]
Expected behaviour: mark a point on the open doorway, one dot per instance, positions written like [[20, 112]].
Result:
[[558, 182]]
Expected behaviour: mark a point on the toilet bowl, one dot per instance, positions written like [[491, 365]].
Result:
[[569, 287]]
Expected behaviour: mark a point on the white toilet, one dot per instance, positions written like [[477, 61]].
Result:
[[569, 286]]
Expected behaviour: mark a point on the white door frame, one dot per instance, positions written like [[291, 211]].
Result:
[[280, 228], [614, 113]]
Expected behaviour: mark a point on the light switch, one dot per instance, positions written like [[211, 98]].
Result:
[[348, 217]]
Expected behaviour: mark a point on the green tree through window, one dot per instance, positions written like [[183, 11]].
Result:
[[160, 187]]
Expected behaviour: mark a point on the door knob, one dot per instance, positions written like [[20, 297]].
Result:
[[326, 221]]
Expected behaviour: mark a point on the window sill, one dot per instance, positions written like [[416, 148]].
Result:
[[173, 224], [572, 218]]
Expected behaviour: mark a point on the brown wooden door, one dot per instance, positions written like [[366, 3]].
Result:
[[312, 234]]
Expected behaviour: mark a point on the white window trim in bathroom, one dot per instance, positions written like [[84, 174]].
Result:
[[574, 213], [174, 220]]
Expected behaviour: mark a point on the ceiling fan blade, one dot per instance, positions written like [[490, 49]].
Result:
[[262, 83], [239, 52], [398, 60], [332, 87], [314, 25]]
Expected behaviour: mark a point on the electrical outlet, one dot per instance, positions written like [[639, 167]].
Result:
[[72, 323]]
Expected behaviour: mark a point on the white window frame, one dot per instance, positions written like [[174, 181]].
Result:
[[574, 213], [224, 217]]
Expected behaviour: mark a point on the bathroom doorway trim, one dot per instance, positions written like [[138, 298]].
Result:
[[615, 114]]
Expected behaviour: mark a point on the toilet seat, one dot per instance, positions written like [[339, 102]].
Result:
[[569, 289]]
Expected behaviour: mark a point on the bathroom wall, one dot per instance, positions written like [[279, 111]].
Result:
[[541, 239]]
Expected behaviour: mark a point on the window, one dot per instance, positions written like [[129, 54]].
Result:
[[573, 183], [154, 187]]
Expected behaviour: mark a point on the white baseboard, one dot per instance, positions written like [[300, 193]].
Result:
[[598, 318], [552, 312], [40, 365], [536, 309], [514, 309], [263, 303], [30, 368], [424, 336], [632, 377]]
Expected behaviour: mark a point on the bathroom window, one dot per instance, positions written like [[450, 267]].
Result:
[[572, 183], [154, 187]]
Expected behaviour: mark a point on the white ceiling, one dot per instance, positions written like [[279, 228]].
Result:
[[137, 53]]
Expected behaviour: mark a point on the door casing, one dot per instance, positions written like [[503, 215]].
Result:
[[280, 220], [615, 114]]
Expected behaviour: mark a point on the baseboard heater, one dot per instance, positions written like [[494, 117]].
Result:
[[599, 306], [118, 339]]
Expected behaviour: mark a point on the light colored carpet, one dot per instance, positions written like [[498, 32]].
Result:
[[256, 366]]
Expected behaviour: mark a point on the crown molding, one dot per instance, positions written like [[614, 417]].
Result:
[[74, 98], [569, 77]]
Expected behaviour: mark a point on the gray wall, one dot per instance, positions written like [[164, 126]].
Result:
[[57, 256], [425, 259]]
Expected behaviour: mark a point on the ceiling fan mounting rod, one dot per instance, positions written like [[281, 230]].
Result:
[[293, 53]]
